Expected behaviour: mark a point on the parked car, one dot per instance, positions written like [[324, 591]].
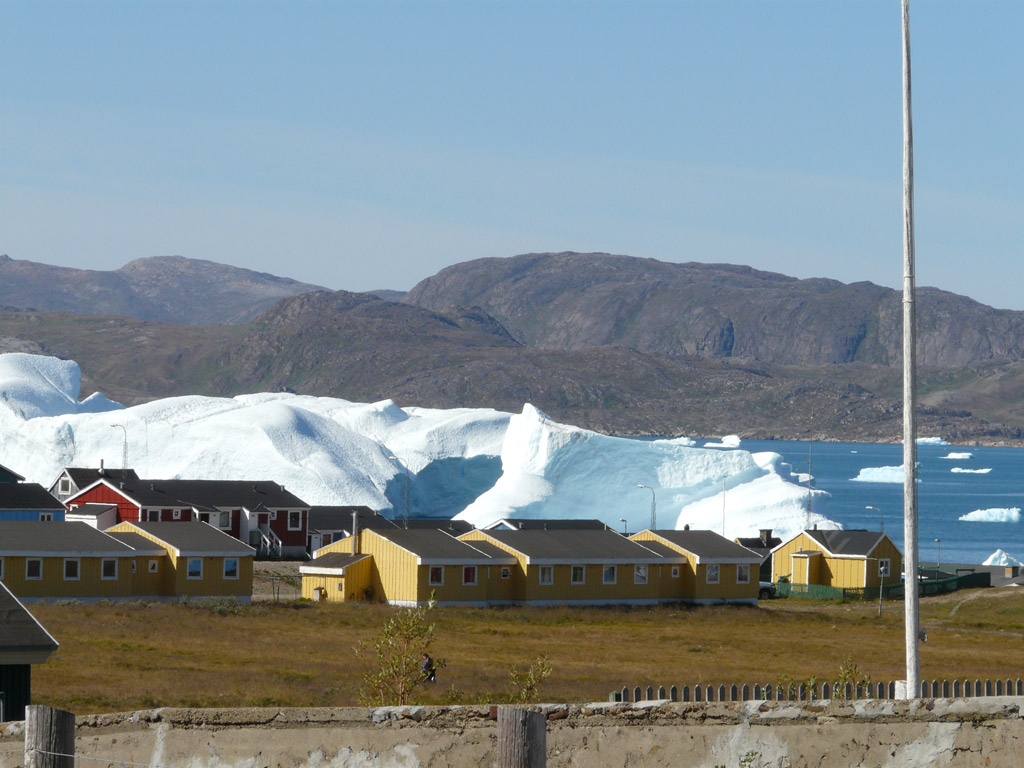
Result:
[[766, 590]]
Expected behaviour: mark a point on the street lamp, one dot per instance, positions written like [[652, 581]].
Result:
[[623, 521], [405, 466], [124, 446], [938, 556], [881, 522], [654, 507]]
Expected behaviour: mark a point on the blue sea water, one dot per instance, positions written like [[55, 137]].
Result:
[[943, 496]]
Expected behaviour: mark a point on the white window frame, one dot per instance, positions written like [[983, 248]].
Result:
[[506, 572], [546, 575], [225, 520], [675, 571], [740, 568], [466, 570], [153, 515], [28, 563], [175, 514], [298, 520], [886, 564], [103, 563], [713, 574], [154, 566], [640, 573], [273, 514], [188, 568], [78, 568], [582, 573], [430, 576], [64, 486], [46, 517], [612, 571], [237, 563]]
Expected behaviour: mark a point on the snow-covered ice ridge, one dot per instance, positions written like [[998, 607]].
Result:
[[478, 464]]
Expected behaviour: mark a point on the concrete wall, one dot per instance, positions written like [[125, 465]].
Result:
[[942, 732]]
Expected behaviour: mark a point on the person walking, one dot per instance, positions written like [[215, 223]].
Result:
[[429, 671]]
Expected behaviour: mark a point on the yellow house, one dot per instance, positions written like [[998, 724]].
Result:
[[56, 560], [406, 567], [714, 569], [198, 559], [565, 566], [855, 559]]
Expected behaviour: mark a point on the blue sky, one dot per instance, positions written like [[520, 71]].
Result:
[[365, 145]]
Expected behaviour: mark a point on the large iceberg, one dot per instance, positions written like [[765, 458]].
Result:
[[993, 515], [478, 463], [999, 557]]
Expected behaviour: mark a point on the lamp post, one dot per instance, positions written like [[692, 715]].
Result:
[[654, 507], [124, 446], [623, 521], [881, 521], [938, 556], [405, 466]]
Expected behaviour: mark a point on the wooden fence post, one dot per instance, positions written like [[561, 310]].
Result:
[[522, 738], [49, 737]]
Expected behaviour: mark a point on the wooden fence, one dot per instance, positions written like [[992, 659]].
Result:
[[934, 689]]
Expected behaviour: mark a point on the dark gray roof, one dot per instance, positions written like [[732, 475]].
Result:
[[548, 525], [57, 539], [662, 549], [572, 545], [334, 560], [9, 475], [854, 542], [94, 510], [195, 538], [26, 496], [339, 518], [86, 476], [208, 493], [708, 546], [763, 547], [454, 527], [22, 639], [431, 544], [137, 542]]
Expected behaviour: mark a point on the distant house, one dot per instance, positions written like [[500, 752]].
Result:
[[71, 480], [406, 567], [98, 516], [261, 514], [23, 642], [330, 524], [578, 566], [564, 524], [9, 475], [762, 544], [28, 501], [715, 570], [852, 559]]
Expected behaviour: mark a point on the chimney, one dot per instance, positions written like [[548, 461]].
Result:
[[686, 527], [102, 470], [520, 524], [355, 532], [815, 526], [152, 487], [766, 536]]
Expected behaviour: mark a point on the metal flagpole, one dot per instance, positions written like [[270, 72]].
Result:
[[910, 558]]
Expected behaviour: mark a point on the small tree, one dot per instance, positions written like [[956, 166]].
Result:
[[525, 685], [395, 655]]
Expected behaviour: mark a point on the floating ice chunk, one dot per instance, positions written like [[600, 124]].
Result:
[[993, 515], [728, 441], [965, 471], [931, 441], [957, 456], [880, 475], [1001, 558]]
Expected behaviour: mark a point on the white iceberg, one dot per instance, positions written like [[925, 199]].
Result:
[[931, 441], [955, 456], [1001, 558], [993, 515], [483, 463], [728, 441], [880, 475], [965, 471]]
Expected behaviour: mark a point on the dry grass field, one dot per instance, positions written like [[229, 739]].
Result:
[[123, 656]]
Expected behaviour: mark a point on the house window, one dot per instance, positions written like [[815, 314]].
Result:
[[46, 517], [506, 572], [176, 514], [65, 485], [295, 520], [883, 567], [610, 574], [743, 573], [1, 569], [273, 514], [546, 574], [225, 519], [712, 574], [436, 576], [675, 571], [230, 567], [578, 575], [72, 569], [108, 568], [204, 517], [195, 568], [135, 565], [469, 574], [33, 569], [154, 566], [639, 574], [154, 515]]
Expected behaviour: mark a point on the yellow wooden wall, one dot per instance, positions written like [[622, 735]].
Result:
[[841, 572], [726, 588], [53, 585], [782, 561], [342, 587]]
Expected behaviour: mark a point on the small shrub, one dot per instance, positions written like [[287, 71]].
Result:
[[524, 685]]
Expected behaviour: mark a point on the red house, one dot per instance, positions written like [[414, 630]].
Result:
[[262, 514]]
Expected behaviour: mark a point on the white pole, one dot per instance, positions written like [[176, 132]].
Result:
[[912, 620]]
